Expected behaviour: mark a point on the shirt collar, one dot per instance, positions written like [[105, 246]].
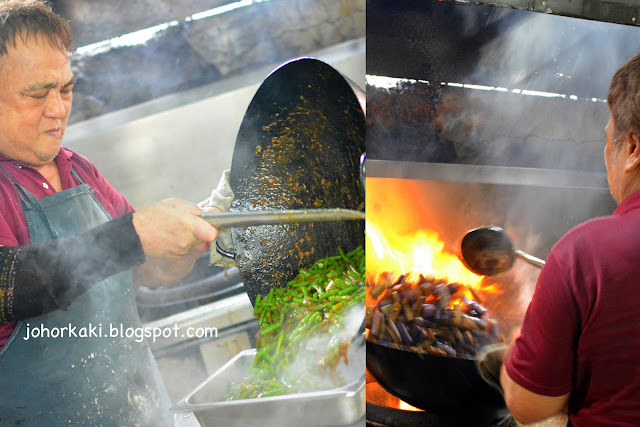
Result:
[[64, 154], [630, 203]]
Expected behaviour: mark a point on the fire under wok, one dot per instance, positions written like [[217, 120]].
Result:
[[442, 385]]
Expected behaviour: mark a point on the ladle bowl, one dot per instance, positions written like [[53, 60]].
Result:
[[489, 251]]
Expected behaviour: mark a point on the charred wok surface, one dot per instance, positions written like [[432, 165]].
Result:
[[298, 147]]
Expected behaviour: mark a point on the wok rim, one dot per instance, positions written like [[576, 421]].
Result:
[[405, 348], [483, 400]]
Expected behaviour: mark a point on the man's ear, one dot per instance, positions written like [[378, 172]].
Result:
[[632, 151]]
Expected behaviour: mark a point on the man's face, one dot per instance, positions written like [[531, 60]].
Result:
[[35, 100], [615, 163]]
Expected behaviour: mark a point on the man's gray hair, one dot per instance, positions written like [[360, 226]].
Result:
[[27, 18], [624, 98]]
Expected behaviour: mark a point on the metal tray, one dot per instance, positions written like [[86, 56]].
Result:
[[344, 406]]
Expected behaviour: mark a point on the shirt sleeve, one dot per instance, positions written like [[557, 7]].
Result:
[[544, 354], [7, 237], [11, 214], [120, 204], [45, 276]]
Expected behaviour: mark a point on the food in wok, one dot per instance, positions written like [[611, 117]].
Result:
[[428, 315], [300, 345]]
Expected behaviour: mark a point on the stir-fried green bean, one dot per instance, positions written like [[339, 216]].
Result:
[[313, 304]]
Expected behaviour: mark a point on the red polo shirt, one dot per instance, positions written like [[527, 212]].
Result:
[[13, 224], [581, 332]]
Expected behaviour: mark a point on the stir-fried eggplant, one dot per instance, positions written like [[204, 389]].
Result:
[[428, 315]]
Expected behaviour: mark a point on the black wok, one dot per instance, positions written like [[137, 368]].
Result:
[[448, 386], [298, 147]]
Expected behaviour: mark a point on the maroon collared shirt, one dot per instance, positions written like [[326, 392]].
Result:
[[13, 224], [581, 333]]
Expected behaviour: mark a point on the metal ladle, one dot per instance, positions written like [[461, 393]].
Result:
[[489, 251]]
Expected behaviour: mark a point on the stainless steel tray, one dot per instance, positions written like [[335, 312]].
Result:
[[344, 406]]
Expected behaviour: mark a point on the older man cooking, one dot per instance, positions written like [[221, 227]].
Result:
[[71, 248], [580, 340]]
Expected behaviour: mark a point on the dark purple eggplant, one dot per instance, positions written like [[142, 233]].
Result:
[[404, 334], [447, 348], [428, 311]]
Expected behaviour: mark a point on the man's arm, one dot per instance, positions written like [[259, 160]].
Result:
[[526, 406], [42, 277], [536, 376], [175, 262], [170, 251]]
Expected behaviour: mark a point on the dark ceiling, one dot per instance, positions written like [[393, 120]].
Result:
[[490, 85], [498, 46]]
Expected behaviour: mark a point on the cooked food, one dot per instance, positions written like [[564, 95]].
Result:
[[298, 347], [428, 315]]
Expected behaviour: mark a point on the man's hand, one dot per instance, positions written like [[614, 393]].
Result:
[[172, 229], [172, 235], [488, 363]]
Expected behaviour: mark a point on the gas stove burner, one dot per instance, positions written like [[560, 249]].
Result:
[[387, 410], [384, 416]]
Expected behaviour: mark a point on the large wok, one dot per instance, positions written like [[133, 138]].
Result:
[[298, 147], [448, 386]]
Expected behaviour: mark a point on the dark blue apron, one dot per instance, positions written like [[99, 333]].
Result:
[[93, 379]]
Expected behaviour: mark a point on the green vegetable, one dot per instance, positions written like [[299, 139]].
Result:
[[314, 303]]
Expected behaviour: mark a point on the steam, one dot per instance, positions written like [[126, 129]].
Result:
[[544, 52], [519, 285], [566, 64], [533, 97], [313, 350]]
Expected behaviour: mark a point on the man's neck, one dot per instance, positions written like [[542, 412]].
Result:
[[50, 173]]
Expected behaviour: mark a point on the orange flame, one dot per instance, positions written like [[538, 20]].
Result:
[[404, 406], [421, 253], [405, 245]]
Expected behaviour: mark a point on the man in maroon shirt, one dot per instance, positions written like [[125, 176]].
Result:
[[70, 249], [580, 342], [35, 103]]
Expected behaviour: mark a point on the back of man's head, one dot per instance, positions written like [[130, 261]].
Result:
[[624, 98]]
